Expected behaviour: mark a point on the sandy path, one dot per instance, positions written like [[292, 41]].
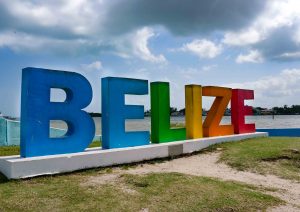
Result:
[[207, 165]]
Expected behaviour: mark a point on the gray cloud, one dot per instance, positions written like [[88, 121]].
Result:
[[183, 17], [58, 19], [278, 43], [53, 19], [90, 27], [275, 33]]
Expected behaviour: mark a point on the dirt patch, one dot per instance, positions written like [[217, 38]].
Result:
[[111, 179], [287, 208], [102, 179], [207, 165]]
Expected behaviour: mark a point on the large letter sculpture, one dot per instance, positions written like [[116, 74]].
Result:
[[211, 125], [239, 111], [193, 111], [160, 115], [37, 111], [115, 112]]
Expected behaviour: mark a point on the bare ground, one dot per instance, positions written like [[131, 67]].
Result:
[[207, 165]]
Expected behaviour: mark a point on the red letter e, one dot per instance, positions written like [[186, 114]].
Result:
[[239, 111]]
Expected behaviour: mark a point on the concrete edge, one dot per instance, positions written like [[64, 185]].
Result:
[[14, 167]]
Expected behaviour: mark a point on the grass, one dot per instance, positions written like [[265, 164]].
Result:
[[9, 150], [271, 155], [178, 192], [95, 144], [156, 192]]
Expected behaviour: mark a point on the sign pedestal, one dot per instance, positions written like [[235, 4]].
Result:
[[15, 167]]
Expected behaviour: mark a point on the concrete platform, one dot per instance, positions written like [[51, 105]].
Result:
[[14, 167]]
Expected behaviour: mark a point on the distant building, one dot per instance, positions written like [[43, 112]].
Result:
[[177, 113], [262, 111], [266, 111]]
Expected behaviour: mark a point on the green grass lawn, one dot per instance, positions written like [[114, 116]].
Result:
[[271, 155], [156, 192]]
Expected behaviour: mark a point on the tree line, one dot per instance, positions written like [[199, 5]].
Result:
[[285, 110]]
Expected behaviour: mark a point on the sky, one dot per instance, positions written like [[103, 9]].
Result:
[[230, 43]]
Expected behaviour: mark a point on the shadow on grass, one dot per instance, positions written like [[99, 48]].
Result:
[[3, 179]]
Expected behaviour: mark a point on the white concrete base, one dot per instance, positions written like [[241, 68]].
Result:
[[14, 167]]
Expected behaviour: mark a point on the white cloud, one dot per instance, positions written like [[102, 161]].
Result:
[[134, 44], [278, 14], [30, 43], [296, 36], [243, 38], [18, 41], [202, 48], [71, 18], [94, 66], [140, 46], [283, 83], [254, 56], [209, 67], [291, 55], [193, 74], [83, 25], [75, 27], [279, 89]]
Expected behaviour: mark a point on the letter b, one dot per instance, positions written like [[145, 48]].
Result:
[[37, 111]]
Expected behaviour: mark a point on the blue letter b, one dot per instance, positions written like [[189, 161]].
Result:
[[37, 111]]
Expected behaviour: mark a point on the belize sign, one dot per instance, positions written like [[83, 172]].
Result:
[[41, 154]]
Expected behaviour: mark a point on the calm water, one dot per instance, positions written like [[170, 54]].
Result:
[[286, 121]]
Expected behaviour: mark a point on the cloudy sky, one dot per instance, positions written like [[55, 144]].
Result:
[[241, 44]]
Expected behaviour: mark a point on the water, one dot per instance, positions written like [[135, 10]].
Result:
[[279, 121]]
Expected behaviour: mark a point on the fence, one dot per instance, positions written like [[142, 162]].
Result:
[[10, 132]]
